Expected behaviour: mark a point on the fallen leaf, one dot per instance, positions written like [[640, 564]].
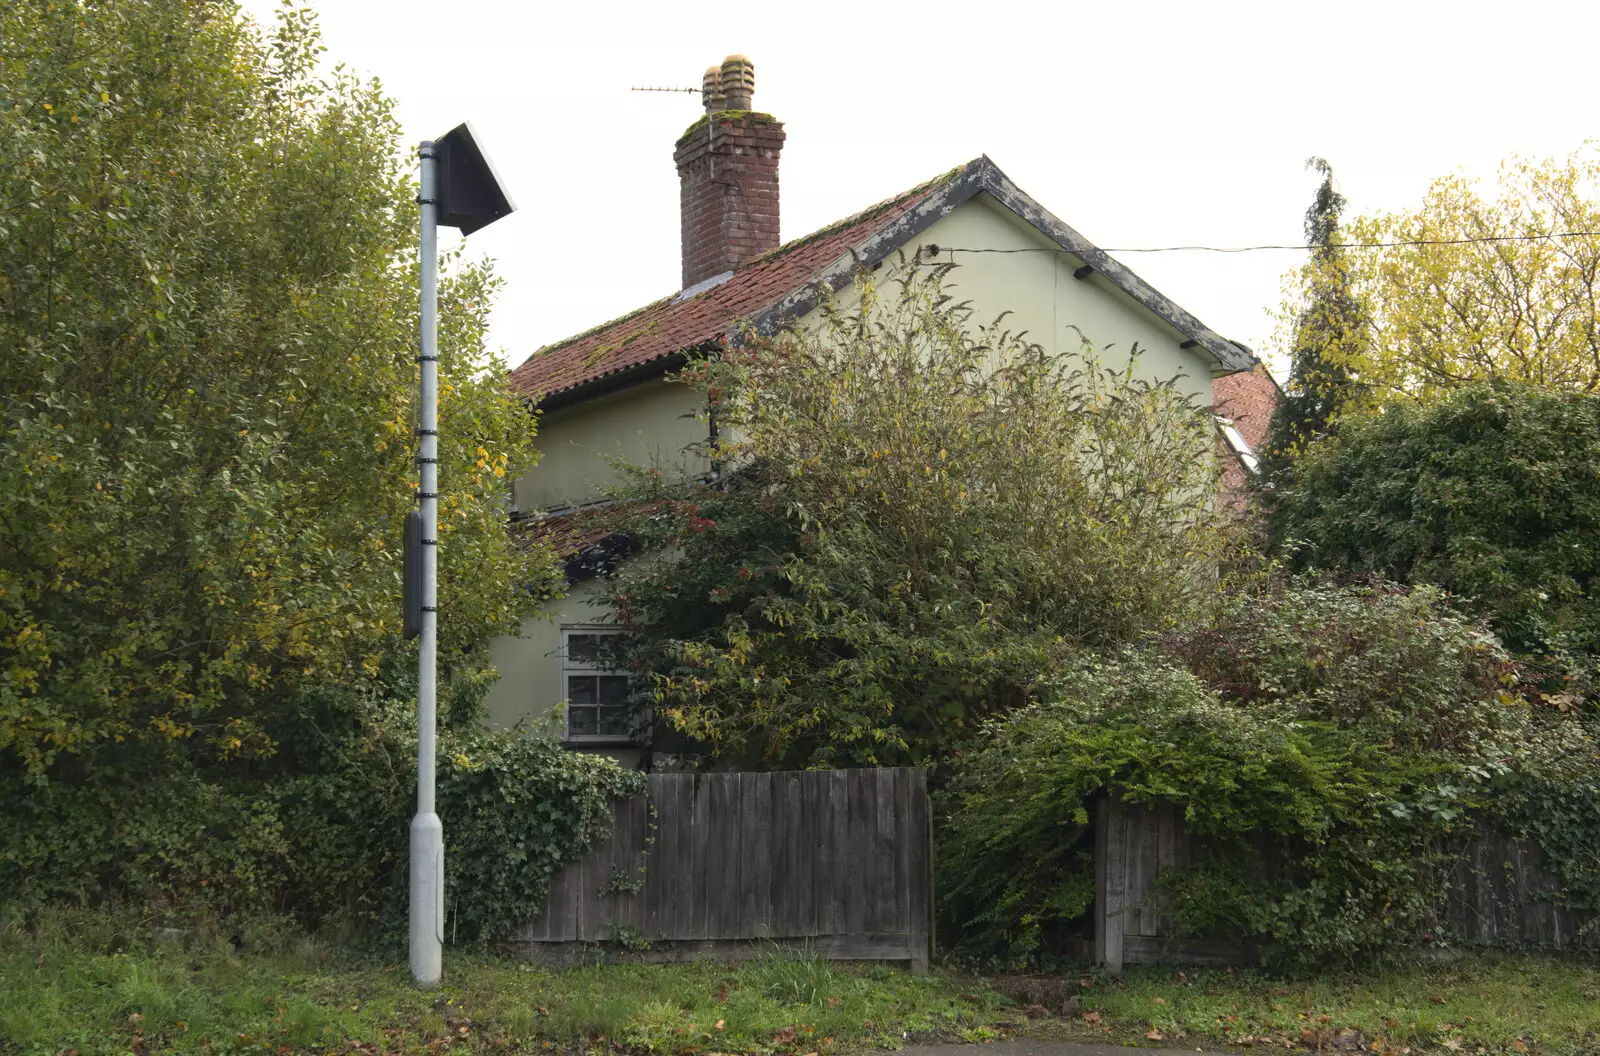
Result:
[[1436, 999], [543, 1011], [720, 1024], [784, 1036], [1158, 1000], [1518, 1045], [1154, 1035], [1453, 1044], [1091, 1017]]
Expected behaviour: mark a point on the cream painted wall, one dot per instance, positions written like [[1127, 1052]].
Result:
[[648, 423], [1038, 289], [656, 420], [530, 685]]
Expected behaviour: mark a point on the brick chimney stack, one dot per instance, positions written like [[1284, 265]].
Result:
[[728, 176]]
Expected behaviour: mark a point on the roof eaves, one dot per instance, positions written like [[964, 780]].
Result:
[[620, 378], [1228, 356], [963, 183]]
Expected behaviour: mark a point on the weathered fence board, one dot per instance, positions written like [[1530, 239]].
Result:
[[1500, 892], [837, 861]]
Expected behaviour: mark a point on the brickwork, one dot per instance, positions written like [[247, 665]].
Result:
[[728, 192], [1248, 399]]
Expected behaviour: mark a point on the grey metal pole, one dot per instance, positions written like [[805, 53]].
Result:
[[427, 834]]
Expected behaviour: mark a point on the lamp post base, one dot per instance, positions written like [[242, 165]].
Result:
[[427, 900]]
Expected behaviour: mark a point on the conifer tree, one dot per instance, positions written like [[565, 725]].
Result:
[[1327, 331]]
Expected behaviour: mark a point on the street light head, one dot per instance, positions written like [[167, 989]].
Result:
[[470, 193]]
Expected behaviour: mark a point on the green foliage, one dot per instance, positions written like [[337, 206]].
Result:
[[1325, 746], [1492, 492], [914, 517], [107, 983], [520, 807], [207, 320], [1327, 332], [1472, 288]]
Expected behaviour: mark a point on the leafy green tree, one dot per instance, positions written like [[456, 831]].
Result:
[[918, 515], [1478, 288], [207, 320], [1492, 491], [1327, 333]]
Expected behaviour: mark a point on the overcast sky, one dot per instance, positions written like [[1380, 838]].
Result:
[[1139, 124]]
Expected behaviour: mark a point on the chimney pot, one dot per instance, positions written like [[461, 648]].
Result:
[[711, 89], [738, 82], [728, 176]]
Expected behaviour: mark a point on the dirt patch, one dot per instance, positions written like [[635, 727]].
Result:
[[1041, 995]]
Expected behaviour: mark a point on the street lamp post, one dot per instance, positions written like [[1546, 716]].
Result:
[[459, 189]]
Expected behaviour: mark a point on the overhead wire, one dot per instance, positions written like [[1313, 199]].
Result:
[[1303, 246]]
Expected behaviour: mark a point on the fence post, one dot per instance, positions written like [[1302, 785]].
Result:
[[1110, 881], [920, 880]]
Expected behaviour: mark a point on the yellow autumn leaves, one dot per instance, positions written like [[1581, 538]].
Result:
[[1504, 287]]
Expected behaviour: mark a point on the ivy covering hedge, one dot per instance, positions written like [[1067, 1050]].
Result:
[[1326, 744]]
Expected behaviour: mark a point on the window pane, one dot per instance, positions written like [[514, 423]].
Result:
[[581, 720], [585, 648], [615, 720], [582, 689], [613, 690]]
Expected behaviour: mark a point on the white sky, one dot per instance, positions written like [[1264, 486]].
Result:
[[1139, 124]]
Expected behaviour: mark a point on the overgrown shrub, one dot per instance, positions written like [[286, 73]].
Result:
[[1491, 492], [207, 330], [916, 515], [1325, 746], [519, 808]]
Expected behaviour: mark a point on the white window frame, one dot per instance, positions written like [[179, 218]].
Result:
[[578, 667], [1240, 445]]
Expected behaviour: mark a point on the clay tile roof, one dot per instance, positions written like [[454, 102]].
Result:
[[670, 325], [1248, 399], [568, 534]]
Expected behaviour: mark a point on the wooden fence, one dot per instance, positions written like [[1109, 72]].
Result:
[[1500, 891], [723, 865]]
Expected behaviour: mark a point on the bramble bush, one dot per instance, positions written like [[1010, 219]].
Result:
[[915, 516], [1326, 746]]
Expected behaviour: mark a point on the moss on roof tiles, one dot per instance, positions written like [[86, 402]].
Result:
[[862, 217], [594, 356], [593, 330]]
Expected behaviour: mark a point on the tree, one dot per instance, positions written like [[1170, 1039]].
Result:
[[207, 320], [1329, 330], [1497, 289], [1491, 491], [918, 517]]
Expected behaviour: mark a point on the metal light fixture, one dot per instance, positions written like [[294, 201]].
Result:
[[459, 189]]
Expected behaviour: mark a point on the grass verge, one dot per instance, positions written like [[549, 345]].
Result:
[[117, 983]]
